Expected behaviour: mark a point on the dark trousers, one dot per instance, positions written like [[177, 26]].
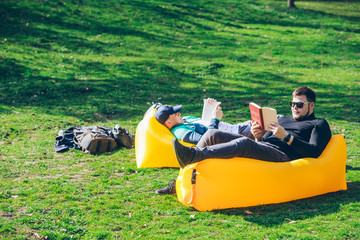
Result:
[[219, 144]]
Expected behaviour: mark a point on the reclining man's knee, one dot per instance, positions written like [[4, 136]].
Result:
[[208, 138]]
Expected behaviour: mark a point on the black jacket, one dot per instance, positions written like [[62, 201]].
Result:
[[311, 135]]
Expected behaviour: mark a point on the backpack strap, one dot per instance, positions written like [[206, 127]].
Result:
[[98, 146], [108, 148]]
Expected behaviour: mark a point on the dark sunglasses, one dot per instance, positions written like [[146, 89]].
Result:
[[298, 104]]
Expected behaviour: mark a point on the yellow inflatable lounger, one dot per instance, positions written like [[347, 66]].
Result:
[[242, 182], [153, 147]]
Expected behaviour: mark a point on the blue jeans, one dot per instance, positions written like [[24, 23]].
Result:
[[220, 144], [240, 128]]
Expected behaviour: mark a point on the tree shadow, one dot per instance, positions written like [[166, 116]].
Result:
[[282, 213], [23, 22], [94, 99], [284, 21], [88, 98], [350, 168], [92, 90], [323, 13]]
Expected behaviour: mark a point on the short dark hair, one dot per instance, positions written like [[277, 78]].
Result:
[[310, 94]]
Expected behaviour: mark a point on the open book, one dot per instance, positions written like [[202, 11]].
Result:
[[208, 109], [262, 115]]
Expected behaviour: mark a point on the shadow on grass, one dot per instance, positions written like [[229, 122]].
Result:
[[352, 168], [92, 90], [283, 213], [111, 97], [336, 16], [285, 20]]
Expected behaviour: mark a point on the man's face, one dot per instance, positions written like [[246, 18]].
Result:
[[306, 110], [173, 120]]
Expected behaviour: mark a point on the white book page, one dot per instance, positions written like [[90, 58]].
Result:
[[208, 110]]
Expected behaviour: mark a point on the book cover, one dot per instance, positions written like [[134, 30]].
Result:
[[262, 115]]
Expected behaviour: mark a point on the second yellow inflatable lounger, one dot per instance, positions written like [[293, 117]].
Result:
[[153, 147], [242, 182]]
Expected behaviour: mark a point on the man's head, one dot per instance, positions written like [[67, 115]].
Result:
[[169, 116], [303, 102]]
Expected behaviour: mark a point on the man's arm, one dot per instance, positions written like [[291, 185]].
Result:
[[188, 134], [191, 137], [320, 137], [214, 123]]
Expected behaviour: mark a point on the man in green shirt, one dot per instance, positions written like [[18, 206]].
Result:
[[191, 129]]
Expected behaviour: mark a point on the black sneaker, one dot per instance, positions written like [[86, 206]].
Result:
[[185, 155], [170, 189]]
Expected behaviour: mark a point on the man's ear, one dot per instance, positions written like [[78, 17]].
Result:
[[312, 105], [168, 124]]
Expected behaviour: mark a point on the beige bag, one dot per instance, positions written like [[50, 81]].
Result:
[[96, 141]]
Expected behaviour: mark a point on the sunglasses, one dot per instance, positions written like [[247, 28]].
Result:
[[298, 104]]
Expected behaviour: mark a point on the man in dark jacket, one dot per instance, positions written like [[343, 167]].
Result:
[[299, 136]]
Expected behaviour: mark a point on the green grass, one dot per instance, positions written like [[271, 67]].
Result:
[[80, 62]]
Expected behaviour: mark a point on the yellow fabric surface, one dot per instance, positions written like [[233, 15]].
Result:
[[243, 182], [153, 147]]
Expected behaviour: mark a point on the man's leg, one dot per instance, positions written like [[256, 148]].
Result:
[[237, 147], [241, 128], [214, 136], [243, 147]]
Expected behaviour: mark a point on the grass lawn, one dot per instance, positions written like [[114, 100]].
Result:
[[80, 62]]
